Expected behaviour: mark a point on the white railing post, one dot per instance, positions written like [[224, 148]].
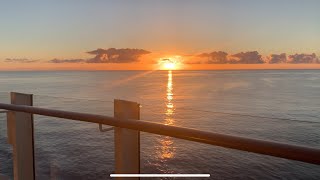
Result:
[[127, 141], [20, 135]]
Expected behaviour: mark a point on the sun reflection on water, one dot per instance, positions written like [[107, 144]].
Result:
[[167, 149]]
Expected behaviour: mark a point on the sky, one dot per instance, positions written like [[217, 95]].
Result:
[[42, 30]]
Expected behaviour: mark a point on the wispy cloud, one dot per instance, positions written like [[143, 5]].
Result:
[[20, 60], [67, 61]]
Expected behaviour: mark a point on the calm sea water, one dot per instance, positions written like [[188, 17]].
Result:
[[212, 101]]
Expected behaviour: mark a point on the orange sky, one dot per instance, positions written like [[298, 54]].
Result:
[[35, 31], [141, 66]]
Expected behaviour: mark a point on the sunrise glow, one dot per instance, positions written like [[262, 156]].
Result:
[[170, 63]]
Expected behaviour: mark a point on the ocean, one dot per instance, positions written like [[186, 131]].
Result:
[[276, 105]]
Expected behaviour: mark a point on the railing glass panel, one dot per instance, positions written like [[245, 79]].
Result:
[[5, 148], [67, 149], [161, 154]]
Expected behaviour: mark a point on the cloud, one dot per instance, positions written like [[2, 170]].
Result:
[[67, 61], [293, 59], [276, 58], [251, 57], [113, 55], [303, 58], [216, 57], [221, 57], [19, 60]]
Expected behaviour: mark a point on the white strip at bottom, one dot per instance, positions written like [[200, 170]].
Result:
[[159, 175]]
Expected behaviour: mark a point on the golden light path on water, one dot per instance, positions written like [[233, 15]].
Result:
[[167, 149]]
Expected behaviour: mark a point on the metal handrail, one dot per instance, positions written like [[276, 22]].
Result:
[[282, 150]]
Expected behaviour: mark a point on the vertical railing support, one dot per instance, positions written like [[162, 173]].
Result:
[[127, 141], [20, 135]]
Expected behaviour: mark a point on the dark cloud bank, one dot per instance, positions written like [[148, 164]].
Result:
[[253, 57], [111, 55]]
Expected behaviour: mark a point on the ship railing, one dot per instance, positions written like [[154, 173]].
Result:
[[127, 125]]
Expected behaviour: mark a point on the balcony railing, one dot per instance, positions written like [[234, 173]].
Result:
[[127, 127]]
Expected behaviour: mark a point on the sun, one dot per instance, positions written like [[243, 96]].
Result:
[[171, 63]]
